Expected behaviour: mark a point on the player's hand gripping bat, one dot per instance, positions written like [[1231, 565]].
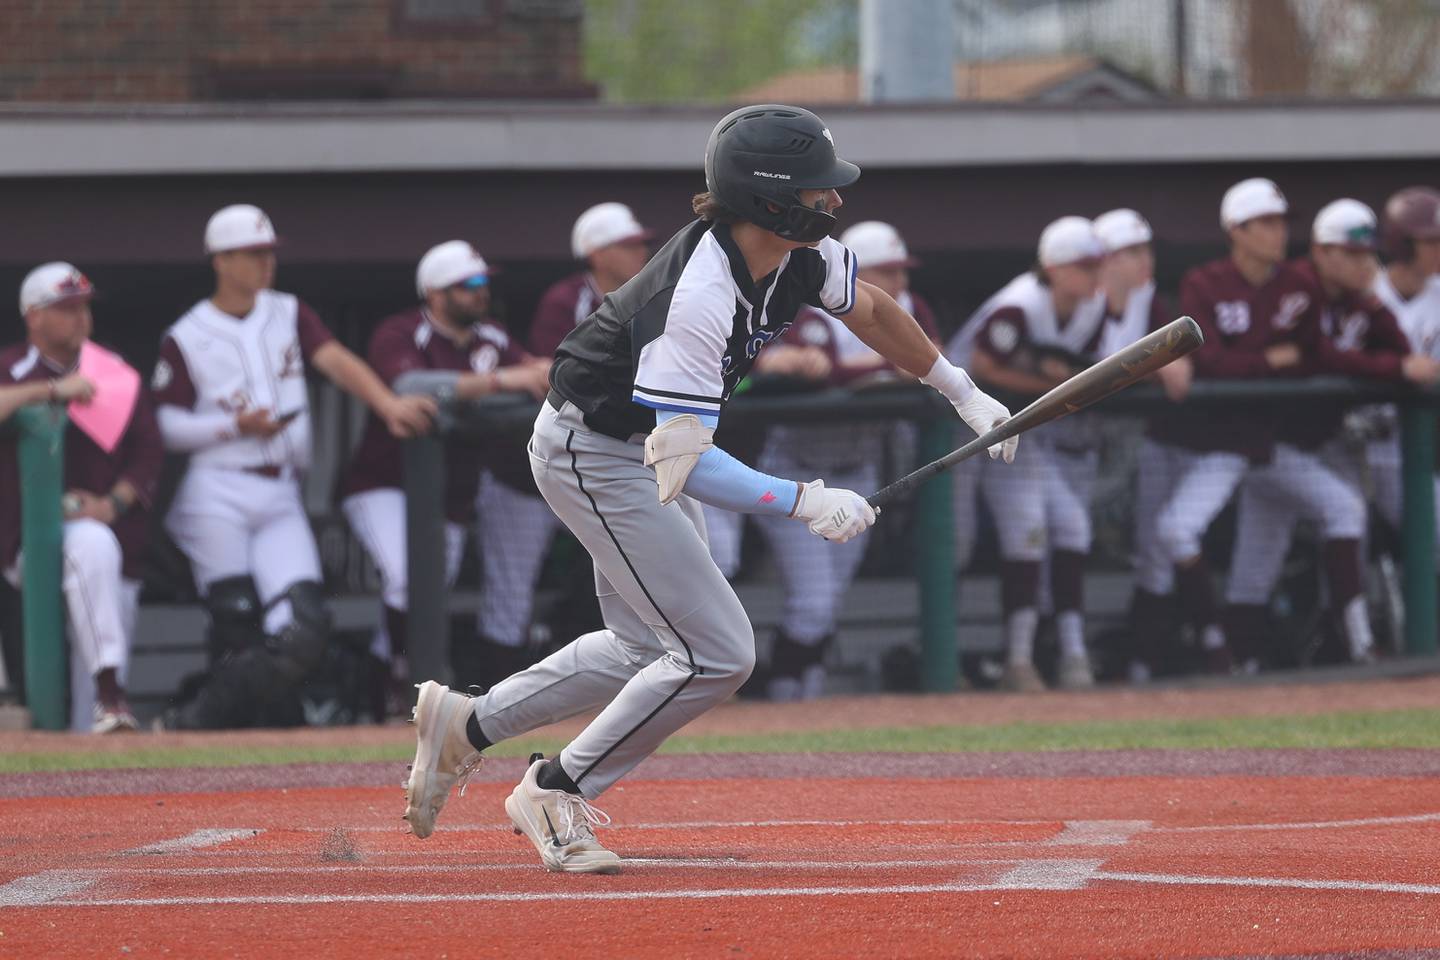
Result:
[[1115, 372]]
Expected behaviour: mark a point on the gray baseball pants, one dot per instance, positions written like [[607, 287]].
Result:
[[676, 640]]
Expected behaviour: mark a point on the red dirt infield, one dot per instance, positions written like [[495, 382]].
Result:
[[1003, 866]]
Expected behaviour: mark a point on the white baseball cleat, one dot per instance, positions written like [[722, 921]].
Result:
[[1074, 673], [114, 720], [561, 825], [444, 755]]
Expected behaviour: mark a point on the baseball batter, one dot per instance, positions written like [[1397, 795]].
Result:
[[446, 346], [1035, 333], [622, 451], [1409, 285], [230, 387], [108, 491], [1258, 315], [1134, 309], [1359, 337]]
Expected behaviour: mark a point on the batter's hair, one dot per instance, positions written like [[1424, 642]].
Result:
[[1040, 275], [706, 207]]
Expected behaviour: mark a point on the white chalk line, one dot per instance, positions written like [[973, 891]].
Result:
[[40, 889], [195, 840], [1056, 875], [1312, 825]]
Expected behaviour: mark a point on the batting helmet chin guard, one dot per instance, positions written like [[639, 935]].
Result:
[[1411, 214], [758, 160]]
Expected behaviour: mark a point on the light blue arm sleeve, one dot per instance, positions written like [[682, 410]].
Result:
[[722, 481]]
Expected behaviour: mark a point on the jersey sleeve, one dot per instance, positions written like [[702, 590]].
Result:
[[553, 321], [1002, 333], [393, 352], [836, 291], [680, 368], [313, 332], [170, 383]]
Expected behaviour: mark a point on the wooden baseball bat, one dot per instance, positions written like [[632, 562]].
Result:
[[1115, 372]]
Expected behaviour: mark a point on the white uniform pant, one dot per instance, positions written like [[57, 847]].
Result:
[[1206, 484], [676, 640], [815, 573], [1295, 484], [514, 530], [1040, 502], [232, 523], [1159, 467], [378, 519], [100, 608]]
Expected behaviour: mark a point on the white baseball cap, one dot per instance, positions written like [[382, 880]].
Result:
[[1118, 229], [1069, 240], [877, 244], [1345, 223], [51, 283], [239, 227], [602, 225], [1248, 199], [449, 263]]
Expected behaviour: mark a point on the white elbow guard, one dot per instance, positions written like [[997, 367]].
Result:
[[673, 449]]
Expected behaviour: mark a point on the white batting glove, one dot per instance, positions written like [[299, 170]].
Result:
[[837, 514], [981, 413]]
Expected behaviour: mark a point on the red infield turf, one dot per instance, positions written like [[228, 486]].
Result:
[[938, 867]]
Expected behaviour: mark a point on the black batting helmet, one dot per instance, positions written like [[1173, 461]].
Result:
[[1411, 214], [758, 160]]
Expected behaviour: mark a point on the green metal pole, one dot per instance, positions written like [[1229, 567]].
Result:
[[935, 554], [1417, 446], [42, 471], [428, 619]]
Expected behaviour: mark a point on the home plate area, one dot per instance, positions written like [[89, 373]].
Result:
[[756, 867]]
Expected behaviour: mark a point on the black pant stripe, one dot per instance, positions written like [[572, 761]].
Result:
[[689, 654]]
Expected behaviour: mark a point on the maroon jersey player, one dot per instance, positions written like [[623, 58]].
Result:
[[108, 492], [451, 342], [1259, 316]]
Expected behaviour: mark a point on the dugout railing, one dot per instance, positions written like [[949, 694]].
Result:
[[41, 432]]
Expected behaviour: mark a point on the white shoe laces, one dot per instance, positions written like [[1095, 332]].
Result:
[[468, 766], [579, 818]]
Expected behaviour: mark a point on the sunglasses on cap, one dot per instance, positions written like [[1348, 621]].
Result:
[[475, 282]]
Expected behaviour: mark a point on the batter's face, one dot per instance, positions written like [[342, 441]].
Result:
[[60, 329], [893, 278], [1263, 238], [618, 262], [249, 271], [1128, 268], [1074, 281], [1348, 268]]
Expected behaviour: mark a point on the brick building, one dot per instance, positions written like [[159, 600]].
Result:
[[177, 51]]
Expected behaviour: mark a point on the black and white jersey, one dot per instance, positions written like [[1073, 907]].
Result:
[[687, 328]]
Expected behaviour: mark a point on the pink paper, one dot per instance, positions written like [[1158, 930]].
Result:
[[117, 387]]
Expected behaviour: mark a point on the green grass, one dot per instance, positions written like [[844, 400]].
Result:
[[1376, 730]]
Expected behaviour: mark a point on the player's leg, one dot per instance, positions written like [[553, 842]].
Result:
[[1200, 494], [1152, 607], [1264, 521], [377, 518], [1015, 494], [1067, 507], [514, 530], [95, 603], [1338, 509]]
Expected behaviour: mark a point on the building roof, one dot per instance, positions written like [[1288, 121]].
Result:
[[1062, 78]]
